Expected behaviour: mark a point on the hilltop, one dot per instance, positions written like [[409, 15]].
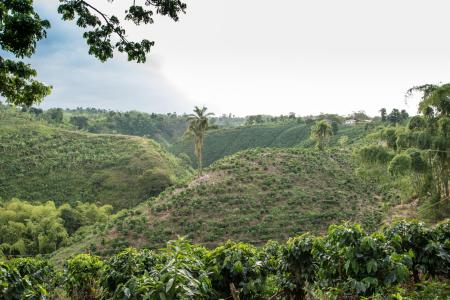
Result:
[[253, 196], [40, 161]]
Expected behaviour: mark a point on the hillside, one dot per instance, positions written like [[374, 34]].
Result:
[[224, 142], [40, 162], [253, 196]]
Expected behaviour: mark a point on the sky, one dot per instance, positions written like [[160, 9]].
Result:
[[257, 57]]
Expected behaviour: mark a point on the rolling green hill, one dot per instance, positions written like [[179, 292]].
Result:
[[253, 196], [223, 142], [40, 162]]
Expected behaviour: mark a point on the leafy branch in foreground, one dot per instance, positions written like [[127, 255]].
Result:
[[21, 28], [406, 259]]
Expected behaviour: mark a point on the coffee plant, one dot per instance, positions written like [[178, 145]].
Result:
[[405, 261]]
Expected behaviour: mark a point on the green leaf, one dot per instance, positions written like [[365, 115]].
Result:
[[169, 284], [372, 266]]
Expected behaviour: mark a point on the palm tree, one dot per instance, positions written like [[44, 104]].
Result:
[[198, 125], [321, 133]]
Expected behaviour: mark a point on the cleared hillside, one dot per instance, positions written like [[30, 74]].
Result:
[[40, 162], [224, 142], [253, 196]]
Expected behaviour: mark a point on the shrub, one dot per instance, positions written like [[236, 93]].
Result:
[[239, 264], [297, 266], [352, 262], [400, 164], [155, 181], [15, 286], [82, 274], [122, 267], [430, 249]]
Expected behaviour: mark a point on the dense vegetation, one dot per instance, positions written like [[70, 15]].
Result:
[[41, 162], [419, 152], [403, 261], [73, 168], [253, 196], [30, 229], [224, 142]]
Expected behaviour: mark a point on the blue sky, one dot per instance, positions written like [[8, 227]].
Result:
[[78, 79], [252, 56]]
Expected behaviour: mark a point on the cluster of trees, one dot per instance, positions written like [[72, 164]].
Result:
[[346, 263], [261, 119], [420, 149], [30, 229], [165, 128], [395, 117], [292, 117]]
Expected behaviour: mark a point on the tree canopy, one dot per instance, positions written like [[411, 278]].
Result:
[[21, 28]]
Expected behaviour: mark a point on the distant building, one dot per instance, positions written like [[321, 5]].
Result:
[[350, 122]]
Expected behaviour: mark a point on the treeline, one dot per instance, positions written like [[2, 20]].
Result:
[[31, 229], [404, 261]]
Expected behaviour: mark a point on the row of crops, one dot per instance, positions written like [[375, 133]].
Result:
[[406, 260]]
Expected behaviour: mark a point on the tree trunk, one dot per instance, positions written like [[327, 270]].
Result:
[[234, 292]]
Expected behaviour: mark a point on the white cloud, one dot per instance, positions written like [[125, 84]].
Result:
[[259, 56]]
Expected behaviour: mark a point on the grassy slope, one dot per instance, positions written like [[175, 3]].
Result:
[[224, 142], [40, 162], [252, 196]]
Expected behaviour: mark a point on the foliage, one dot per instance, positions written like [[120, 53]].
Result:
[[124, 266], [164, 128], [297, 267], [198, 125], [154, 181], [397, 117], [177, 272], [54, 115], [422, 151], [238, 264], [400, 164], [27, 228], [14, 286], [83, 214], [434, 126], [81, 122], [430, 250], [42, 161], [375, 154], [21, 28], [257, 195], [30, 229], [345, 263], [223, 142], [27, 278], [321, 132], [81, 277], [351, 262]]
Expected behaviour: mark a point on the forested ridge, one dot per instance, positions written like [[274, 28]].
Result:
[[41, 161]]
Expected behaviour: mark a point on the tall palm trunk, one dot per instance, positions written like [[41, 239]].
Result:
[[199, 153]]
